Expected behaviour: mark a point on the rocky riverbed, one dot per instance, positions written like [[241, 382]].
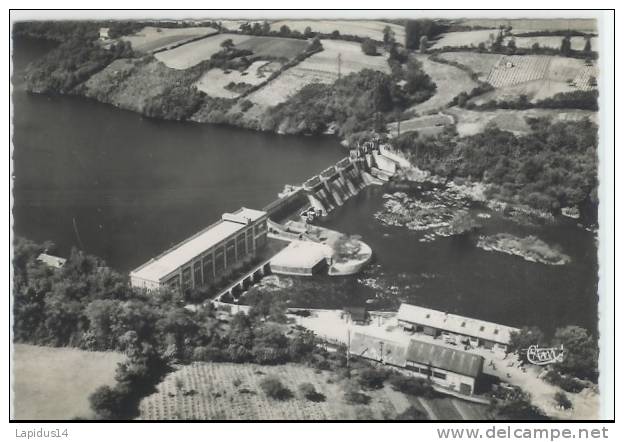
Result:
[[530, 248], [433, 210]]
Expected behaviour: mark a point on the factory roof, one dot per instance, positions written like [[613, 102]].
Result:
[[301, 255], [378, 349], [444, 358], [182, 253], [455, 323]]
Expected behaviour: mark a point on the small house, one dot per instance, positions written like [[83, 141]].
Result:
[[55, 262], [104, 34]]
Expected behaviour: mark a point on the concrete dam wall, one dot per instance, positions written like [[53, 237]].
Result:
[[335, 185]]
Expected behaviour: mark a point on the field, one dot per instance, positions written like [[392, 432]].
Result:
[[473, 122], [150, 39], [321, 67], [463, 38], [426, 125], [274, 46], [537, 76], [190, 54], [554, 42], [214, 81], [55, 383], [231, 392], [450, 81], [535, 24], [361, 28], [224, 391]]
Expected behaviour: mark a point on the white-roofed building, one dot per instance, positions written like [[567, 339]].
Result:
[[208, 256], [434, 323], [51, 261]]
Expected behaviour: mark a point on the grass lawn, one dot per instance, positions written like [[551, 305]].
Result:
[[55, 383]]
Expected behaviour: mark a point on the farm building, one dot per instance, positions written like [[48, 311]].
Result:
[[471, 331], [55, 262], [378, 349], [208, 256], [450, 368]]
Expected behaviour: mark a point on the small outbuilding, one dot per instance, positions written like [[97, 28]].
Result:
[[55, 262]]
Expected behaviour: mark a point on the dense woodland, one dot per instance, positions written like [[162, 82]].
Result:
[[555, 166]]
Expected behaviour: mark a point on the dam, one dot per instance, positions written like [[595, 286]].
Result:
[[249, 243]]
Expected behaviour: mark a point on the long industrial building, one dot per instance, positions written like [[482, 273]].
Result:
[[448, 367], [207, 257], [474, 331]]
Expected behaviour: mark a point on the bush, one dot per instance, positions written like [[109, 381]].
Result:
[[566, 383], [369, 47], [411, 386], [274, 389], [372, 378], [412, 414], [563, 401], [107, 402], [355, 397], [307, 391]]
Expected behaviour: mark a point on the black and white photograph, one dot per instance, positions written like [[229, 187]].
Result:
[[339, 215]]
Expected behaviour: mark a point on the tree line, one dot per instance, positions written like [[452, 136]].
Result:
[[552, 167]]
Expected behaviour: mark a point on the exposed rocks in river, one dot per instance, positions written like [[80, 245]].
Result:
[[530, 248]]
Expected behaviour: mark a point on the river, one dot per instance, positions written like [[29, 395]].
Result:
[[125, 188]]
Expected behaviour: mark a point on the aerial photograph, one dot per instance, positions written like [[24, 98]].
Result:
[[244, 218]]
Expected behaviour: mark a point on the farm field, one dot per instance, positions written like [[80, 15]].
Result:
[[274, 46], [214, 81], [450, 82], [55, 383], [537, 76], [463, 38], [554, 42], [361, 28], [191, 54], [227, 391], [472, 122], [321, 67], [150, 39], [536, 24], [425, 125]]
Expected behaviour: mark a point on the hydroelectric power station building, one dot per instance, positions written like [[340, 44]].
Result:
[[208, 256]]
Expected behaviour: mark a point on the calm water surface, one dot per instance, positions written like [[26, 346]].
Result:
[[124, 188]]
